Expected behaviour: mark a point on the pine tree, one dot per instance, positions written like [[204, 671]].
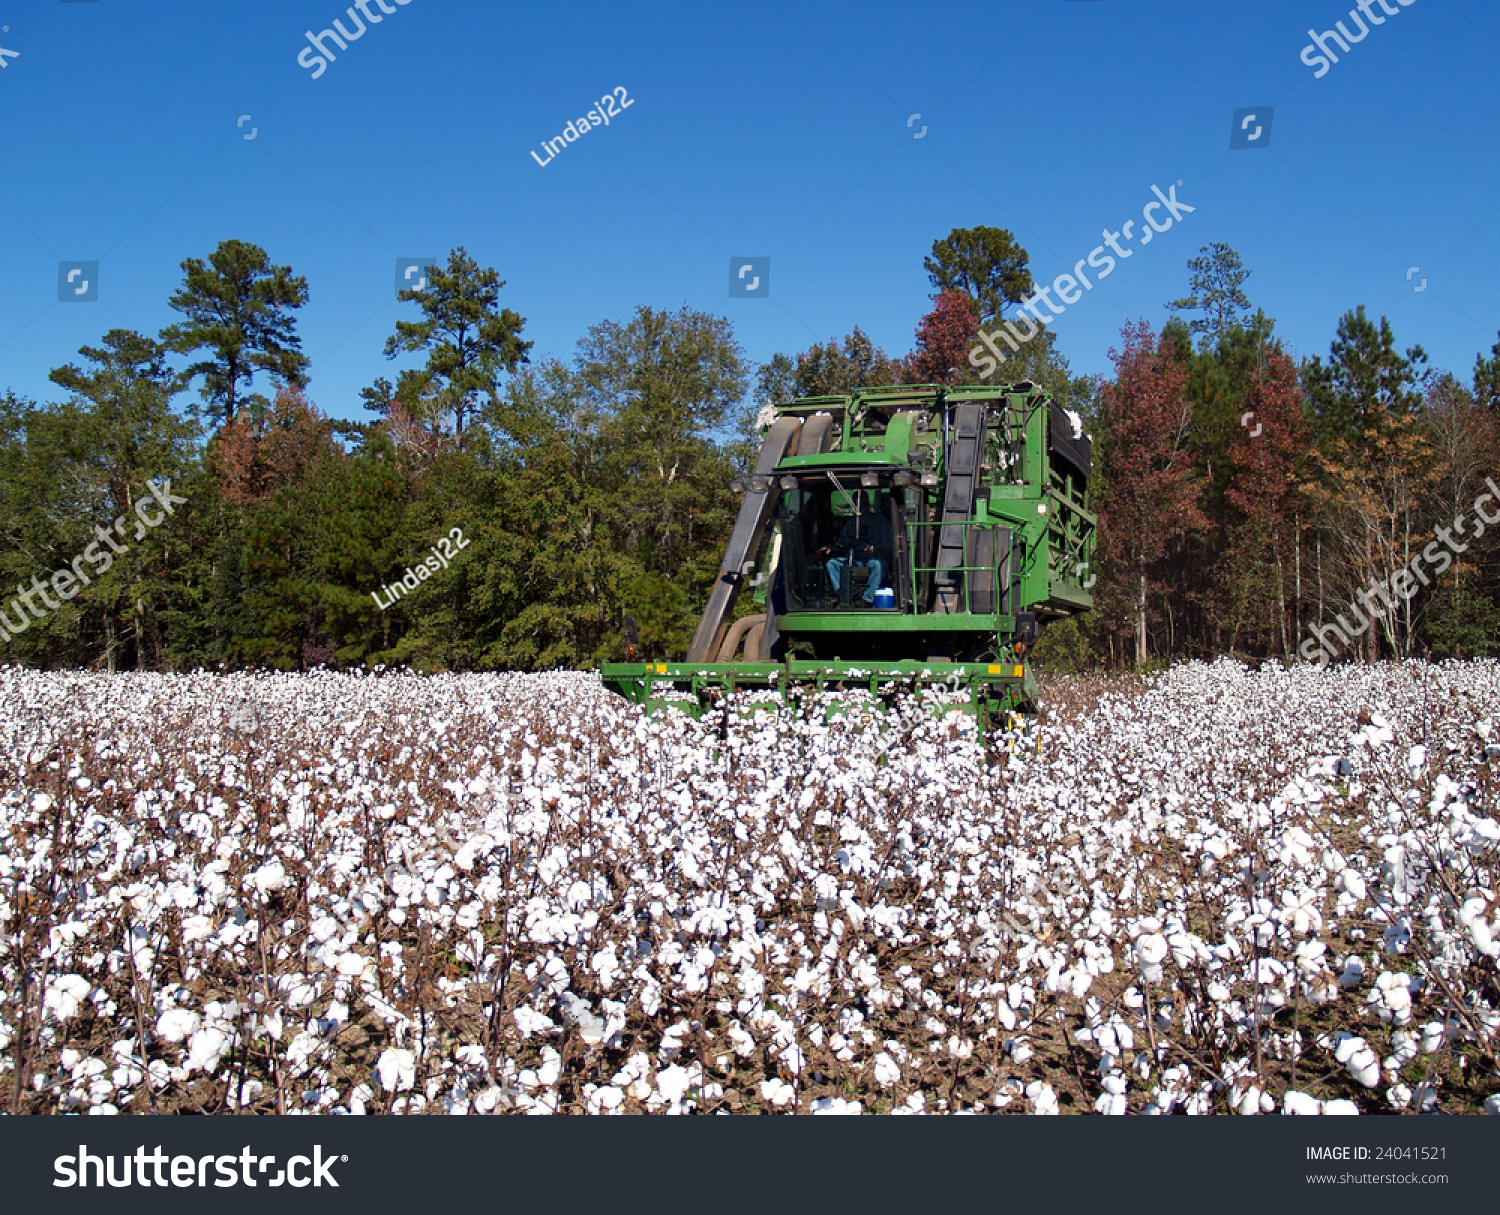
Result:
[[832, 369], [1217, 292], [469, 340], [986, 264], [239, 309]]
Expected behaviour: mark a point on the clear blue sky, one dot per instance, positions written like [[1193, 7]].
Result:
[[774, 130]]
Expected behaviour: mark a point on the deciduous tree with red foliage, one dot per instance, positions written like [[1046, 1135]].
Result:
[[944, 338], [1152, 499], [1262, 491], [263, 451]]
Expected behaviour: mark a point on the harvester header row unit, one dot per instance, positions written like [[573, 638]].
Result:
[[895, 537]]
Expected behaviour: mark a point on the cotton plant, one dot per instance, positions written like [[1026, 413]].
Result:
[[496, 894]]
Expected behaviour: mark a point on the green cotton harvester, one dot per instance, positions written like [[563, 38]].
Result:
[[895, 539]]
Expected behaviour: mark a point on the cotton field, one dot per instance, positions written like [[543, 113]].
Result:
[[1215, 891]]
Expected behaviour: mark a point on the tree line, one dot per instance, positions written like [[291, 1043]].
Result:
[[1243, 499]]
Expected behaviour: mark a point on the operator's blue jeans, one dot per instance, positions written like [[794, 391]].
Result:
[[877, 572]]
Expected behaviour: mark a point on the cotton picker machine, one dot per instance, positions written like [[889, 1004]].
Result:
[[898, 539]]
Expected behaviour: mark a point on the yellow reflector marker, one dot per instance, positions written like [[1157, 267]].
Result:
[[994, 670], [1020, 672]]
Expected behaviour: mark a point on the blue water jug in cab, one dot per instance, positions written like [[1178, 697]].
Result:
[[885, 598]]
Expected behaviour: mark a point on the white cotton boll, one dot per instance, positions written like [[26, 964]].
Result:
[[778, 1092], [1361, 1062], [1250, 1103], [63, 935], [1483, 938], [1483, 833], [269, 878], [1310, 956], [1492, 1104], [1353, 974], [1340, 1106], [673, 1083], [886, 1071], [836, 1105], [196, 928], [1433, 1036], [397, 1068], [176, 1024], [1151, 947], [1005, 1015], [472, 849], [551, 1069], [65, 995], [1400, 1096], [1378, 733], [1043, 1099], [324, 928], [1391, 998], [351, 965], [335, 1016], [1008, 1091], [206, 1048], [1300, 1103]]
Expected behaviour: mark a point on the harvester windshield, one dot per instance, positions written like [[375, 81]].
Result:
[[839, 543]]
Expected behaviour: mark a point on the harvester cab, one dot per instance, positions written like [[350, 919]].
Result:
[[903, 537]]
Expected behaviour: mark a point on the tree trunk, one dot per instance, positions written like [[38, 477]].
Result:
[[1280, 622], [1140, 621]]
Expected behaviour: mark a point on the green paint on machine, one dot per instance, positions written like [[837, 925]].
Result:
[[906, 537]]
